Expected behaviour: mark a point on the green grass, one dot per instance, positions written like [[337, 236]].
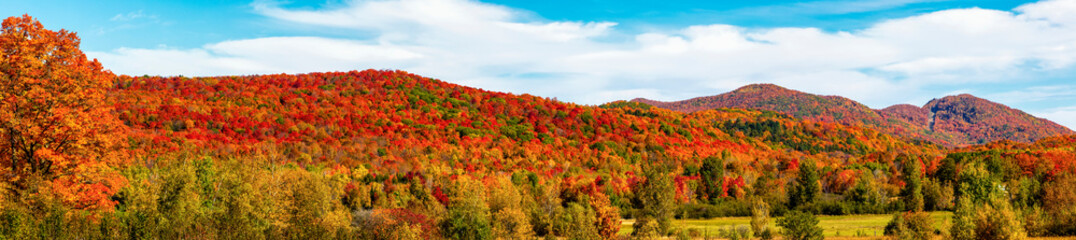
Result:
[[846, 225]]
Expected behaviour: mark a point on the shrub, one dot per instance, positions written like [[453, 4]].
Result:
[[800, 226], [997, 221], [766, 234], [722, 208], [910, 225]]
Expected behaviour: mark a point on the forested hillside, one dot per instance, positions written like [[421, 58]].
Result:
[[950, 121]]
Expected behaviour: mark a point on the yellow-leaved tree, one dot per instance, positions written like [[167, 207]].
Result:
[[58, 135]]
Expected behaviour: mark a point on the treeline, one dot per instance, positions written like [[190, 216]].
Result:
[[202, 197], [261, 197]]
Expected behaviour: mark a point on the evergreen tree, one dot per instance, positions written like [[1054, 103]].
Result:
[[654, 201], [805, 188], [711, 175]]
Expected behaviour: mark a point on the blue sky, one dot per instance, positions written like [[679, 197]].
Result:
[[879, 52]]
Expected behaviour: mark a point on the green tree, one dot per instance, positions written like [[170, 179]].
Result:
[[581, 220], [864, 196], [983, 212], [468, 216], [711, 175], [936, 196], [976, 184], [800, 226], [654, 201], [912, 193], [806, 187], [963, 227]]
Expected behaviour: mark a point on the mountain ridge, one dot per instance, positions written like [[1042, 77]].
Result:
[[964, 119]]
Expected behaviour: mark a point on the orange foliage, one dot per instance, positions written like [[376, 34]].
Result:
[[56, 124]]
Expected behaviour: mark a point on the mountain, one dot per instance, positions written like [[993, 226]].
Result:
[[985, 121], [951, 121], [394, 122]]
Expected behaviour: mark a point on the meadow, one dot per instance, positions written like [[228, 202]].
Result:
[[865, 226]]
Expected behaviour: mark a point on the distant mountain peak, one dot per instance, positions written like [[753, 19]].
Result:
[[954, 120], [761, 87]]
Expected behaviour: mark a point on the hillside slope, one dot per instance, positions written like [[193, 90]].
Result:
[[394, 122], [952, 121]]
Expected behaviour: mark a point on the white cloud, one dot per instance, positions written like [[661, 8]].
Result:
[[1064, 93], [1065, 116], [499, 48], [132, 16], [831, 7]]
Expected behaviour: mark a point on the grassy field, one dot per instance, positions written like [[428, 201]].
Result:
[[833, 226]]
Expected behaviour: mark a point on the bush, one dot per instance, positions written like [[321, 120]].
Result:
[[992, 218], [910, 225], [829, 208], [800, 226], [997, 221], [723, 208], [766, 234]]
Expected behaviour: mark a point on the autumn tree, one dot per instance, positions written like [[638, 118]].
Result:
[[54, 122]]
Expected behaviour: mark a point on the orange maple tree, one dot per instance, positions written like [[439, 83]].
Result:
[[55, 126]]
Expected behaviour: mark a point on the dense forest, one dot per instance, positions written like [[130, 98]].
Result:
[[384, 154]]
